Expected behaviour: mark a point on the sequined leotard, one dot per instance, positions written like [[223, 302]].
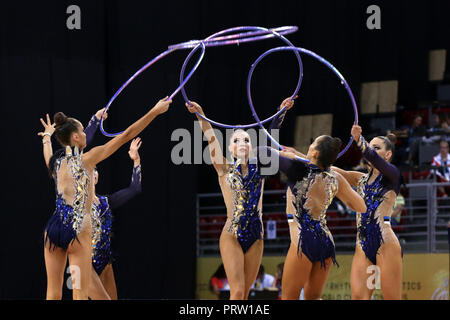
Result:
[[243, 198], [101, 216], [310, 191], [373, 226], [65, 224], [102, 227], [314, 237], [74, 188]]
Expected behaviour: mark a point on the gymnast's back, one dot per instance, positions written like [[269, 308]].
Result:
[[313, 186], [74, 195]]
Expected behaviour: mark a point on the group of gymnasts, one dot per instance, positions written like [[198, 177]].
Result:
[[311, 189], [80, 228]]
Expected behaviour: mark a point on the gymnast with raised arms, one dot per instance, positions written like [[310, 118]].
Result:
[[68, 233]]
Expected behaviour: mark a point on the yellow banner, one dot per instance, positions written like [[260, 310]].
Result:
[[425, 277]]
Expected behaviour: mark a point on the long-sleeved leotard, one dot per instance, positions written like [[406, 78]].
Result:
[[102, 228], [243, 200], [373, 226], [91, 129]]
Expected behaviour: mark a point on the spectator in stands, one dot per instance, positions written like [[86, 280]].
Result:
[[440, 122], [263, 280], [444, 122], [415, 131], [442, 161], [439, 128], [218, 281], [399, 205]]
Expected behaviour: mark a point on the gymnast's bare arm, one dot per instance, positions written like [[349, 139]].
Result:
[[217, 158], [351, 176], [294, 151], [349, 196], [100, 153]]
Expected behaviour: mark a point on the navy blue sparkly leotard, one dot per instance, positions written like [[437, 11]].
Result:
[[314, 238], [66, 222], [101, 212], [245, 222], [101, 215], [102, 229], [64, 225], [373, 227]]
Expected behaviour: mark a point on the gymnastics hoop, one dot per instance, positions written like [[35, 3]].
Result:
[[142, 69], [259, 29], [215, 40], [314, 55]]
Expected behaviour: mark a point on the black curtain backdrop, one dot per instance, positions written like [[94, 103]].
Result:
[[45, 68]]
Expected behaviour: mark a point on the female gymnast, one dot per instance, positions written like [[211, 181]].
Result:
[[102, 255], [311, 189], [376, 242], [101, 209], [69, 231], [241, 240]]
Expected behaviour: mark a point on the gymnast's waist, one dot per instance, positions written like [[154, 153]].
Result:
[[386, 220]]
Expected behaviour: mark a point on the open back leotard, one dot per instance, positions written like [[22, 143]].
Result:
[[101, 210], [310, 193], [74, 186]]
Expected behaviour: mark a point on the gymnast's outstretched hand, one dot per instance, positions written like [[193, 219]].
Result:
[[134, 148], [134, 151], [101, 114], [288, 102], [356, 132], [49, 127], [288, 154], [289, 149], [162, 105], [194, 107]]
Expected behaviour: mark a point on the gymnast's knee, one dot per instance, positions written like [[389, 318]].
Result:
[[237, 293]]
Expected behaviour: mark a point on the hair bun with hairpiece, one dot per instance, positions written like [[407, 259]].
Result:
[[337, 143], [392, 137]]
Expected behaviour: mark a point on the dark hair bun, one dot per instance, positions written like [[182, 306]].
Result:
[[328, 148], [392, 138], [59, 118], [337, 143]]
